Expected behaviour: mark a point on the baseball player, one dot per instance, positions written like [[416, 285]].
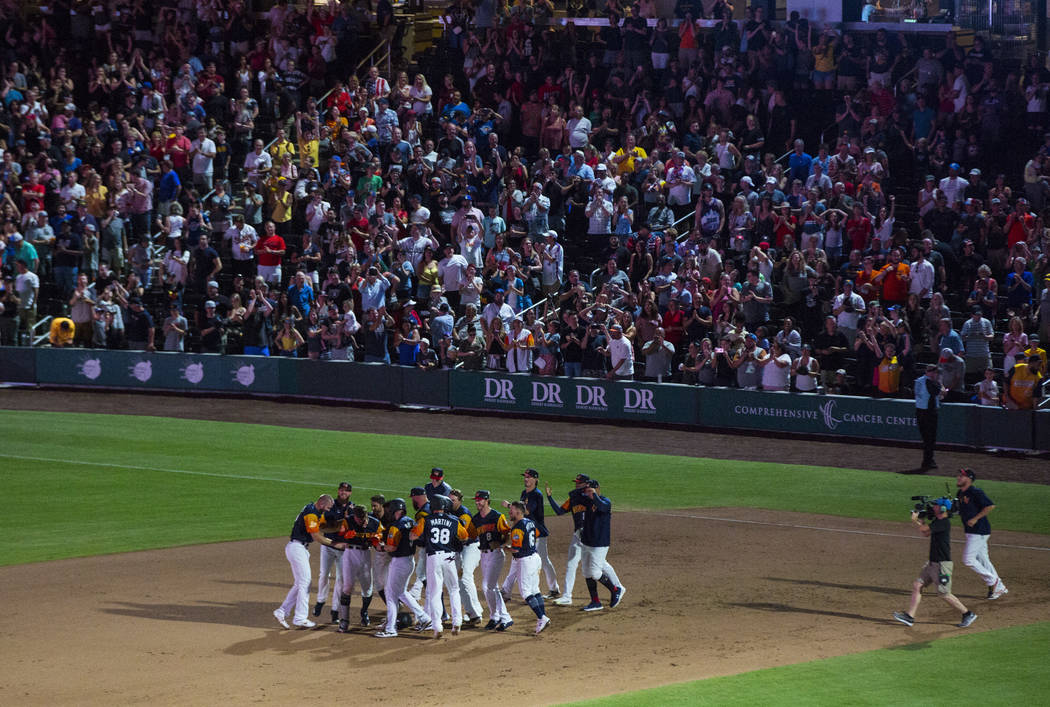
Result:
[[437, 486], [306, 529], [467, 560], [595, 537], [533, 501], [330, 558], [492, 528], [938, 569], [974, 507], [522, 541], [398, 546], [380, 559], [439, 531], [421, 506], [576, 504], [362, 532]]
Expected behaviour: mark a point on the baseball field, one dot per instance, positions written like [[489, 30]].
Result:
[[141, 555]]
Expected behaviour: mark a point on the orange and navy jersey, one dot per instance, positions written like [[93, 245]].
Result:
[[397, 535], [440, 532], [306, 523], [491, 529], [523, 538], [365, 535], [422, 513], [467, 521], [333, 519], [576, 504]]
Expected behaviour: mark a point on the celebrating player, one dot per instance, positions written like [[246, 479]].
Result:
[[361, 531], [522, 542], [380, 558], [491, 526], [576, 504], [439, 531], [595, 537], [305, 529], [467, 560], [974, 507], [332, 559], [398, 546]]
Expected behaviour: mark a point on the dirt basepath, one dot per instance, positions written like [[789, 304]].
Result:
[[705, 597], [548, 432]]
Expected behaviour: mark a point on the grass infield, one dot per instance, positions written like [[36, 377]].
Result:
[[1011, 663], [118, 483]]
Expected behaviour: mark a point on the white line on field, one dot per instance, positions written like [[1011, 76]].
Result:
[[829, 530], [178, 471]]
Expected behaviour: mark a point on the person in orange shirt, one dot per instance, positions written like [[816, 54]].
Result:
[[888, 372], [865, 285], [894, 278]]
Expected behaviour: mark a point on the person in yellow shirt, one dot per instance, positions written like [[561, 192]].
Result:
[[282, 207], [95, 196], [1034, 350], [1024, 385], [888, 372], [626, 157], [281, 146], [309, 144], [62, 330]]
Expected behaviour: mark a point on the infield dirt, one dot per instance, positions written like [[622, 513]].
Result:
[[706, 595]]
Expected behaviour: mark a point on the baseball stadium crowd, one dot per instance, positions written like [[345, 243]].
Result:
[[739, 203]]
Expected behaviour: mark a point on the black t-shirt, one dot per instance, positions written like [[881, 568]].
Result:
[[337, 293], [940, 540], [212, 341], [824, 340], [572, 351], [137, 325], [71, 242], [257, 330], [204, 262]]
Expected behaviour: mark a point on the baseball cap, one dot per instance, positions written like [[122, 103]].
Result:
[[581, 478], [532, 473], [468, 197], [417, 491], [593, 483], [437, 473], [16, 237], [346, 485], [615, 327], [746, 180], [975, 172], [706, 186], [969, 473], [213, 283], [976, 309], [600, 167], [955, 166], [946, 354], [481, 494], [841, 372], [771, 180], [552, 234], [210, 304]]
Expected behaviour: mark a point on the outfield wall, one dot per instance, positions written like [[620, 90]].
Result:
[[727, 408]]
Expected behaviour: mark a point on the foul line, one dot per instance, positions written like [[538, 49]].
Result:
[[178, 471], [850, 531]]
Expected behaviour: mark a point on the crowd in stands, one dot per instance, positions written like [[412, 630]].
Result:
[[643, 199]]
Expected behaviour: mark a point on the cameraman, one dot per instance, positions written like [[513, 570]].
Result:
[[939, 568]]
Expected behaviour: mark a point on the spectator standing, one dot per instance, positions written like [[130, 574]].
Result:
[[977, 334]]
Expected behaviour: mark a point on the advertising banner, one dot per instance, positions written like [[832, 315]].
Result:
[[17, 364], [575, 397]]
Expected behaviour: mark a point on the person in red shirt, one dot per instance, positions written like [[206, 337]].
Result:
[[894, 277], [270, 251], [1019, 224], [178, 148], [672, 322], [32, 192], [859, 229]]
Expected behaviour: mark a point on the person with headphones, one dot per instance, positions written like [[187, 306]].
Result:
[[938, 569]]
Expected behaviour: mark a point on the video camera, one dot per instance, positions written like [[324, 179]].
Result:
[[926, 505]]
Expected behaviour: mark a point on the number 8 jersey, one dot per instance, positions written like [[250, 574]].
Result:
[[439, 532]]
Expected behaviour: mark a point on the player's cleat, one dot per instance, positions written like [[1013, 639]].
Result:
[[455, 630], [504, 626], [445, 618], [617, 597], [423, 625], [472, 621], [542, 623], [366, 620], [335, 617], [594, 606], [344, 627], [317, 608], [904, 618], [279, 615], [491, 624], [968, 618], [998, 590], [386, 634], [437, 633], [991, 590], [305, 623], [564, 600], [553, 594]]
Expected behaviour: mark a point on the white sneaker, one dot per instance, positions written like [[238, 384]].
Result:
[[305, 623], [563, 601], [279, 615], [386, 634], [542, 624], [1000, 590]]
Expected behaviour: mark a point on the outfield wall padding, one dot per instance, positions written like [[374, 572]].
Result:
[[667, 403]]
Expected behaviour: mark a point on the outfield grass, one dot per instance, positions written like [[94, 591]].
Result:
[[135, 482], [1002, 667]]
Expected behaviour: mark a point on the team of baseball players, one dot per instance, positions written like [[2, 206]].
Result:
[[442, 543]]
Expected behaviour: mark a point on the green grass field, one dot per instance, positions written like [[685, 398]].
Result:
[[134, 482], [124, 483]]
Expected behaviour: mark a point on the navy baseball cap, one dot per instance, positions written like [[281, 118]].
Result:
[[437, 473], [346, 485], [417, 491], [532, 473], [969, 472], [580, 478], [481, 494]]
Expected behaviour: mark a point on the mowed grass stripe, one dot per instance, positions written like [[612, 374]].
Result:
[[1006, 666], [130, 503]]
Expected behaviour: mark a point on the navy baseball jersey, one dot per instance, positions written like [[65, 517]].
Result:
[[576, 504], [533, 501], [397, 535], [365, 534], [334, 517], [308, 521], [596, 522], [467, 521], [491, 528], [440, 532], [971, 502], [523, 538], [432, 489]]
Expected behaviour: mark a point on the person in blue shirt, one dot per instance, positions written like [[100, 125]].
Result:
[[799, 163], [974, 507], [928, 395], [300, 294], [595, 536]]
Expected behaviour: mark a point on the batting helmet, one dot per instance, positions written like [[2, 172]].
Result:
[[440, 503], [396, 504]]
